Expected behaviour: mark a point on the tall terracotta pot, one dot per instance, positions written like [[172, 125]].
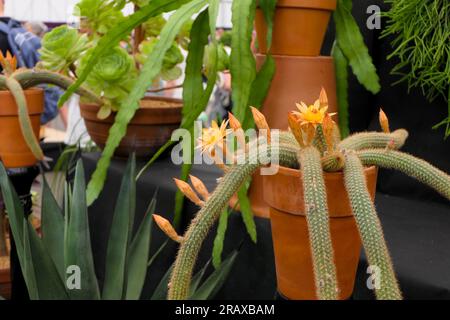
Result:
[[296, 79], [14, 151], [284, 194], [150, 128], [299, 27]]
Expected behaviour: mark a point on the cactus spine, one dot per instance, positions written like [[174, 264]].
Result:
[[316, 209], [370, 228]]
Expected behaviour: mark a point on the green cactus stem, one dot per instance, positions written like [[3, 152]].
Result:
[[369, 226], [24, 120], [368, 140], [317, 217], [411, 166], [319, 140], [209, 213], [333, 162]]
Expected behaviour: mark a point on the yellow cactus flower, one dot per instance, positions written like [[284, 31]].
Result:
[[313, 114], [213, 136]]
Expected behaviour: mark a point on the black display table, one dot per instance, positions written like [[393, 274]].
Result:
[[417, 233]]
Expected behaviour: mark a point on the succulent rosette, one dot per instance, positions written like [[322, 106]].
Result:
[[112, 78], [61, 48], [100, 15]]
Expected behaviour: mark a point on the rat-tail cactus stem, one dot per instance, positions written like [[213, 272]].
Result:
[[319, 140], [32, 78], [333, 161], [24, 120], [409, 165], [368, 140], [315, 199], [209, 213], [386, 285]]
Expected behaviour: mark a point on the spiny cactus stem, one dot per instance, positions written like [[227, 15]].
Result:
[[368, 140], [411, 166], [32, 78], [333, 162], [370, 229], [316, 210], [319, 140], [208, 214]]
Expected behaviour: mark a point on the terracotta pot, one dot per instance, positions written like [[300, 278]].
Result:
[[290, 85], [14, 151], [299, 27], [284, 194], [150, 128], [5, 277]]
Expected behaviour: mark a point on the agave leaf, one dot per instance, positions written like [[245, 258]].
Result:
[[53, 228], [196, 280], [138, 255], [26, 264], [149, 71], [121, 229], [25, 123], [215, 281], [352, 44], [242, 61], [161, 290], [78, 246], [50, 285], [119, 32]]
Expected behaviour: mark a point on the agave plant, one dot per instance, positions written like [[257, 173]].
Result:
[[59, 264], [312, 145]]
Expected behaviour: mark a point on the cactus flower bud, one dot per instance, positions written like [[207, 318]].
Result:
[[328, 127], [384, 121], [167, 228], [186, 189], [260, 121], [323, 98], [200, 187], [234, 122], [296, 129]]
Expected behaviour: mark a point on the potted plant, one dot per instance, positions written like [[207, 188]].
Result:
[[58, 263], [332, 177]]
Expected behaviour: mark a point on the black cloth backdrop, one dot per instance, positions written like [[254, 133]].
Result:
[[416, 220]]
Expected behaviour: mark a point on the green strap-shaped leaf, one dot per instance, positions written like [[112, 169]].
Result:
[[25, 123], [215, 281], [138, 255], [341, 66], [113, 37], [78, 245], [149, 71], [351, 42], [53, 228], [50, 286], [243, 65], [213, 9], [246, 212], [121, 229], [196, 280], [26, 264], [268, 8], [160, 292], [219, 239]]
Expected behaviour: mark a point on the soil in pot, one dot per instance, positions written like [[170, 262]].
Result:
[[14, 151], [150, 128], [299, 27], [284, 194]]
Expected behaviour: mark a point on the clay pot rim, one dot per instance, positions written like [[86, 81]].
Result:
[[328, 175], [178, 103], [29, 91], [308, 4], [310, 59], [10, 110]]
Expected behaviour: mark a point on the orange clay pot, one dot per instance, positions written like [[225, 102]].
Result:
[[150, 128], [296, 79], [14, 151], [299, 27], [284, 194]]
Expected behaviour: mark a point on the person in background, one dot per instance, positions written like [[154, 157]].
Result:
[[37, 28]]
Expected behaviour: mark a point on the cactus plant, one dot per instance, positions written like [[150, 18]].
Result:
[[313, 146]]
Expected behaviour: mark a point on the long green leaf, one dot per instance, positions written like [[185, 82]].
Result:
[[24, 119], [116, 34], [213, 13], [161, 290], [139, 254], [215, 281], [79, 252], [53, 228], [26, 263], [268, 8], [219, 239], [246, 211], [49, 283], [149, 71], [341, 66], [121, 229], [243, 65], [196, 280], [351, 42]]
